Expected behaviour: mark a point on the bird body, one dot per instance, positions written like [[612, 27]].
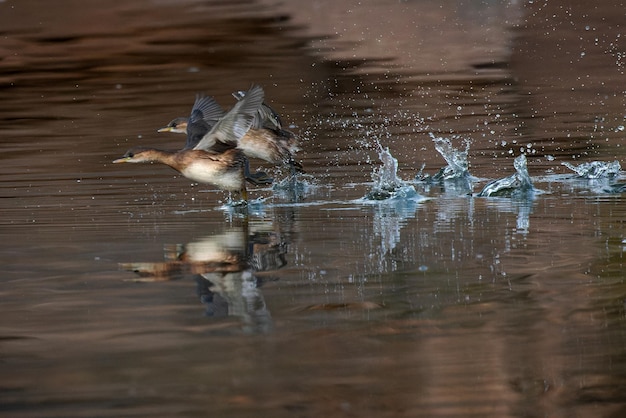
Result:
[[263, 144], [225, 170]]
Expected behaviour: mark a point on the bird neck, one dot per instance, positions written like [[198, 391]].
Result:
[[163, 157]]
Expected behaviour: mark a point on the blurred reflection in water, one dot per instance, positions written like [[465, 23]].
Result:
[[226, 270]]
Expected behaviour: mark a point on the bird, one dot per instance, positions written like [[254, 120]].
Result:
[[205, 113], [266, 139], [215, 158]]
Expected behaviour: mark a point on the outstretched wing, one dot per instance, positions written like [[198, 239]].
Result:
[[266, 117], [204, 115], [207, 109], [234, 124]]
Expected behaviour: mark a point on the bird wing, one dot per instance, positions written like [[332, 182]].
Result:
[[207, 109], [234, 124], [204, 115], [266, 117]]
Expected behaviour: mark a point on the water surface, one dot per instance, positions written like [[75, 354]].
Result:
[[128, 291]]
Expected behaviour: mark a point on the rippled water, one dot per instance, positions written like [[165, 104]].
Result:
[[128, 291]]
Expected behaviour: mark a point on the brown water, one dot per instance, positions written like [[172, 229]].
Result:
[[128, 291]]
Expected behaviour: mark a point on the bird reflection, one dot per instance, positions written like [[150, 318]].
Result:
[[225, 268]]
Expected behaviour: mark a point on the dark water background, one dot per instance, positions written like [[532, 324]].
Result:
[[316, 304]]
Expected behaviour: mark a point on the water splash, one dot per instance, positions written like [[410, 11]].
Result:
[[387, 185], [595, 169], [458, 165], [516, 185], [295, 188], [456, 174]]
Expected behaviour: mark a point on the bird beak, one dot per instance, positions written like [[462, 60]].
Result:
[[121, 160], [166, 129]]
